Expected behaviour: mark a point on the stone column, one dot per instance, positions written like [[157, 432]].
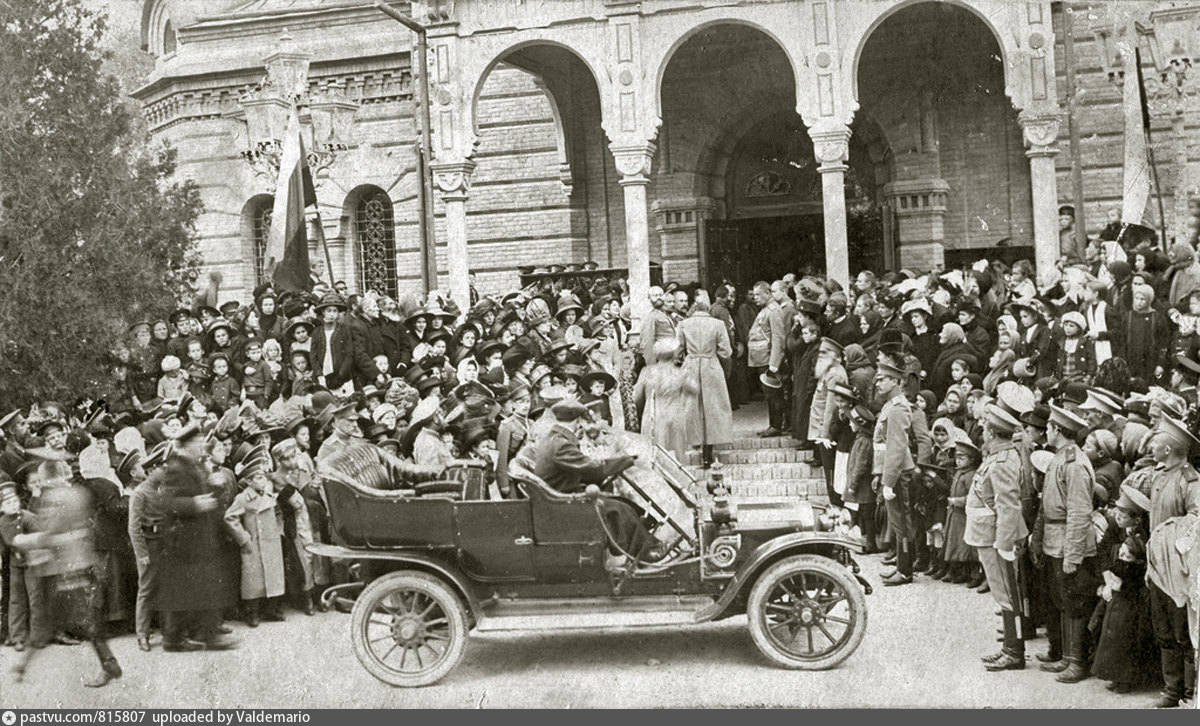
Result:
[[1041, 132], [832, 149], [920, 209], [633, 163], [454, 181]]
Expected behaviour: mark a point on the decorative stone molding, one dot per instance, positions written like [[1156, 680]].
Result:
[[913, 197], [1040, 132], [681, 214], [634, 161], [831, 148], [453, 179]]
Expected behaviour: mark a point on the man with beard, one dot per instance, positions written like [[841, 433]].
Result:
[[722, 300], [1174, 496], [193, 587], [657, 326], [823, 413], [366, 342]]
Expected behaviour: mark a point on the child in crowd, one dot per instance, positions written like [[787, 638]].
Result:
[[1077, 354], [224, 390], [252, 518], [956, 554], [859, 496], [174, 382]]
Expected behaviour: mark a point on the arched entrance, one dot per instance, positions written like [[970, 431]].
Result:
[[931, 78], [538, 120], [773, 211]]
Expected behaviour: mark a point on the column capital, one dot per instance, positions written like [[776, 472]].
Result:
[[831, 146], [1040, 131], [453, 179], [633, 161]]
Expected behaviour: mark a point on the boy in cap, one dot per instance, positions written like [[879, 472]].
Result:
[[1175, 494], [893, 465], [1067, 541], [995, 528], [859, 496]]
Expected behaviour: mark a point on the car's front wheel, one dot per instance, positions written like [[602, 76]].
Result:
[[807, 612], [409, 628]]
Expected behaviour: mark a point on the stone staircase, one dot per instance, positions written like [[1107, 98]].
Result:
[[757, 468]]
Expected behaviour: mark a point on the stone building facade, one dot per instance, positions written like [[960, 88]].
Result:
[[720, 139]]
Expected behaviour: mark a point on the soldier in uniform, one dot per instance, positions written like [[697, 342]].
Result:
[[996, 530], [1067, 541], [1174, 492], [894, 466]]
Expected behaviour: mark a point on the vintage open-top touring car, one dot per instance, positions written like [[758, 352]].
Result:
[[439, 560]]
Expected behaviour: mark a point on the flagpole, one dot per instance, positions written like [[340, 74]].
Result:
[[324, 246]]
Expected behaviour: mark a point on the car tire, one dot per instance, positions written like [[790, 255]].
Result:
[[409, 628], [829, 619]]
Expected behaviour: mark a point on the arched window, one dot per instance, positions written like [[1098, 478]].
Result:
[[169, 40], [376, 234], [259, 219]]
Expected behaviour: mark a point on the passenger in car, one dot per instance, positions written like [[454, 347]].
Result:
[[558, 461]]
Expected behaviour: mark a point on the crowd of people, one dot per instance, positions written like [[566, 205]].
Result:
[[1031, 441]]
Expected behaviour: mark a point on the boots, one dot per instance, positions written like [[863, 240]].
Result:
[[977, 578], [941, 570], [1074, 635], [110, 670], [958, 573], [1189, 679], [252, 612], [309, 596], [1012, 657], [273, 612], [1173, 675]]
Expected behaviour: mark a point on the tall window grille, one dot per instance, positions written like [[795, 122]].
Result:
[[376, 234], [262, 229]]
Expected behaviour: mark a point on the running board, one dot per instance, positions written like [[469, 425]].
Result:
[[623, 612]]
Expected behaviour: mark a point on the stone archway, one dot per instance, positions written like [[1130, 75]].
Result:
[[719, 82], [932, 77], [536, 115]]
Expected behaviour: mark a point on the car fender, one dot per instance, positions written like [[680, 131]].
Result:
[[797, 543], [419, 560]]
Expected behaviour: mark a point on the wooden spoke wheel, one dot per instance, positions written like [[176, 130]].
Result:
[[807, 612], [409, 628]]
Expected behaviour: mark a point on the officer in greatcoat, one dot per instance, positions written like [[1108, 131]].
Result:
[[1068, 541], [1174, 493], [996, 530], [894, 466], [193, 585]]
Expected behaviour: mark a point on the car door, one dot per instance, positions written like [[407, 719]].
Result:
[[569, 541], [495, 540]]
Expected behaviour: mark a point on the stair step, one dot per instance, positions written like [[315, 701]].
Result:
[[778, 442], [765, 472], [810, 488], [755, 456]]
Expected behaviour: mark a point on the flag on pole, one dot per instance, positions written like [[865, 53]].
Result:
[[1136, 187], [287, 242]]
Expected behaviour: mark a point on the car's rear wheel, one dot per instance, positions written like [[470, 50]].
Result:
[[409, 628], [807, 613]]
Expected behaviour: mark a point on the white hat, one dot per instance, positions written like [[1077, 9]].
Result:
[[170, 363]]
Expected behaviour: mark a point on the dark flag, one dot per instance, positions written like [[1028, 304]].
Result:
[[287, 244]]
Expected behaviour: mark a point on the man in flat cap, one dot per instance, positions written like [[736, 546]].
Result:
[[1174, 493], [894, 466], [996, 529], [1067, 541], [558, 461]]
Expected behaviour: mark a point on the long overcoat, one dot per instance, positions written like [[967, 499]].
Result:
[[252, 520], [191, 575], [705, 343]]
